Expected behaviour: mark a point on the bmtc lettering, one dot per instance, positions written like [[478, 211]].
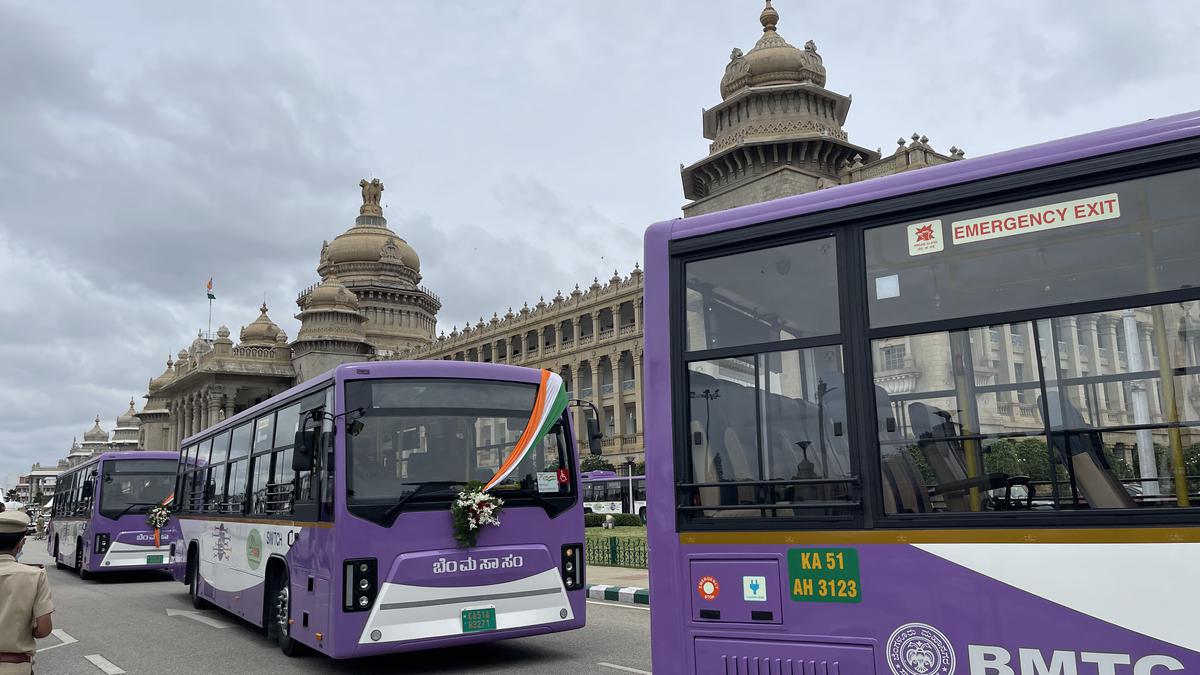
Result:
[[987, 660]]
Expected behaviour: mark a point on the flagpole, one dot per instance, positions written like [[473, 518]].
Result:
[[210, 319]]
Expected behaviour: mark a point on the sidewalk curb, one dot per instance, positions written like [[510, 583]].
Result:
[[628, 595]]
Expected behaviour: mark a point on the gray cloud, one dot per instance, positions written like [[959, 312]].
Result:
[[525, 146]]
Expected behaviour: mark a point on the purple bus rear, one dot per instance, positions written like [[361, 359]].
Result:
[[356, 586], [885, 589], [107, 531]]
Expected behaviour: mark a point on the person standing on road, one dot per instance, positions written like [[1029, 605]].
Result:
[[26, 606]]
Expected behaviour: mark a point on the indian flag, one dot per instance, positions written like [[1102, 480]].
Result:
[[547, 408], [209, 289]]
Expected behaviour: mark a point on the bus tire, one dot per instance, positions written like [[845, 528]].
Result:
[[58, 563], [642, 514], [79, 561], [193, 575], [281, 592]]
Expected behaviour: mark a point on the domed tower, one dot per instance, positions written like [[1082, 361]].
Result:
[[262, 332], [384, 272], [155, 416], [331, 330], [777, 131], [125, 435], [95, 440]]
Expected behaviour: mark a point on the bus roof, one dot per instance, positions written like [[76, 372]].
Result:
[[126, 454], [1094, 144], [470, 370]]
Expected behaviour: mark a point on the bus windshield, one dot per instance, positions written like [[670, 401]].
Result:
[[422, 440], [135, 485]]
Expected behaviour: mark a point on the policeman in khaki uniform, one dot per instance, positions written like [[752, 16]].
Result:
[[25, 604]]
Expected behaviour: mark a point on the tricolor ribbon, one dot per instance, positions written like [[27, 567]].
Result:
[[158, 532], [547, 408]]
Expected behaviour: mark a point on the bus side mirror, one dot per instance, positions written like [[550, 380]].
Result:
[[594, 436], [87, 489], [302, 453]]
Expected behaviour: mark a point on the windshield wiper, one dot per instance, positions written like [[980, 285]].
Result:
[[424, 487], [130, 507]]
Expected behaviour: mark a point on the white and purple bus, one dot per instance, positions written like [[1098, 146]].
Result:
[[324, 513], [604, 492], [98, 519], [946, 421]]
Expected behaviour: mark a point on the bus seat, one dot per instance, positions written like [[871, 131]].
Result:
[[1083, 450], [904, 489], [946, 456], [933, 428]]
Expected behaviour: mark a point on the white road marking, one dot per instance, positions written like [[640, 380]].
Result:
[[64, 639], [104, 664], [626, 669], [202, 618], [617, 604]]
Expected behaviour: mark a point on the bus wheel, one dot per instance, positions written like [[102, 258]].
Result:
[[194, 581], [283, 616], [83, 574], [642, 514], [58, 563]]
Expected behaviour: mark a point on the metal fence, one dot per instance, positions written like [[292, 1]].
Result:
[[617, 551]]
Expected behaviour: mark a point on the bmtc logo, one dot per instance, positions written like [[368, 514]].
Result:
[[919, 649]]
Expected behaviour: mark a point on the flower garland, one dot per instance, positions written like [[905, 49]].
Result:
[[158, 517], [473, 509]]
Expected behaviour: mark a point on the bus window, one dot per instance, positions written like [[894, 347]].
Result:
[[1076, 412], [755, 297]]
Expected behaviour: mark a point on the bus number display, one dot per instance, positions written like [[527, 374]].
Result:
[[824, 575]]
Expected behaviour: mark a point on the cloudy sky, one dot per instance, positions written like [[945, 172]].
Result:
[[525, 145]]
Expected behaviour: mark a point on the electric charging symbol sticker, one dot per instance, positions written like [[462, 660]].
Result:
[[708, 588], [754, 589]]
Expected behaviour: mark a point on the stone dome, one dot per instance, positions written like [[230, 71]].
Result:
[[162, 380], [199, 345], [95, 434], [330, 294], [371, 241], [261, 332], [772, 61], [129, 418]]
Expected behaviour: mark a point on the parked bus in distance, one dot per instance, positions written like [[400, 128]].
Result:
[[605, 492], [323, 513], [98, 518], [946, 421]]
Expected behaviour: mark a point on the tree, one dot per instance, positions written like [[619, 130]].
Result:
[[594, 463], [11, 495]]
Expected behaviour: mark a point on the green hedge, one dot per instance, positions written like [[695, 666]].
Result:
[[619, 520]]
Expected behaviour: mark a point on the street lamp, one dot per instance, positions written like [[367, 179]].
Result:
[[629, 462]]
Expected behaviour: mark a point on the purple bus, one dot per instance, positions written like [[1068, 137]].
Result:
[[946, 421], [98, 519], [324, 513]]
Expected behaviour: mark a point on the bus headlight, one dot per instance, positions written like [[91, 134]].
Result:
[[359, 584], [102, 542], [572, 566]]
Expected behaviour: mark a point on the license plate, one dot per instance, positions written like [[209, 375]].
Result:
[[154, 560], [476, 620]]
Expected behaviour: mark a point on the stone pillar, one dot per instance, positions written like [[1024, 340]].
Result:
[[1088, 322], [637, 392], [637, 315], [557, 328], [1116, 396], [595, 327], [618, 405], [1150, 363], [214, 404], [230, 397]]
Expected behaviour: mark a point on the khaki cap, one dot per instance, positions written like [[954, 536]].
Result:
[[13, 522]]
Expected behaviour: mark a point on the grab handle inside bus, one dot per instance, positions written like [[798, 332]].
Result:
[[594, 436]]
